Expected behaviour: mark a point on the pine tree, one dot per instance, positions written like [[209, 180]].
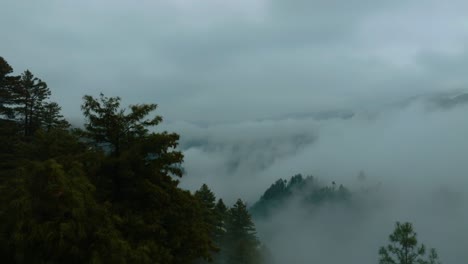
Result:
[[404, 248], [210, 215], [48, 209], [7, 83], [242, 245], [29, 99], [207, 200], [51, 117], [221, 213], [9, 129], [24, 99], [161, 222], [107, 123], [205, 195], [433, 257]]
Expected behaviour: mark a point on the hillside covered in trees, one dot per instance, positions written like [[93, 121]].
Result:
[[308, 190], [109, 192]]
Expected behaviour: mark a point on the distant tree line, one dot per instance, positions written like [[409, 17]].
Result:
[[403, 247], [308, 189]]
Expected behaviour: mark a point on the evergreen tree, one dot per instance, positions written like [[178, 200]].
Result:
[[276, 191], [433, 257], [206, 196], [8, 128], [404, 248], [24, 99], [51, 117], [308, 190], [29, 99], [107, 123], [7, 83], [242, 245], [49, 213], [163, 223], [221, 213], [296, 181], [106, 194], [207, 200], [5, 70]]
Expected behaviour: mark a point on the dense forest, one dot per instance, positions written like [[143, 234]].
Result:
[[109, 192]]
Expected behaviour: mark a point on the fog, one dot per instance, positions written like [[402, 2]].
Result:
[[414, 159], [265, 89], [238, 60]]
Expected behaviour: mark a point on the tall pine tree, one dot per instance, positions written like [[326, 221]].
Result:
[[404, 248], [29, 99], [138, 177], [242, 245]]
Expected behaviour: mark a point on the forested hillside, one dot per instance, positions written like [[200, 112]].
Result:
[[308, 190], [109, 192]]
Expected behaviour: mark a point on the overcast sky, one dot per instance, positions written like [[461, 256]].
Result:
[[211, 60], [239, 79]]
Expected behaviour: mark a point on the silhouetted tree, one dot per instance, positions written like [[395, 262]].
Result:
[[207, 200], [221, 213], [105, 194], [307, 189], [29, 99], [8, 128], [207, 197], [242, 245], [109, 124], [164, 223], [7, 83], [51, 117], [404, 248]]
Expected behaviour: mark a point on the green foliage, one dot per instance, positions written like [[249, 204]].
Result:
[[242, 245], [211, 218], [163, 223], [308, 190], [221, 214], [50, 215], [49, 211], [107, 123], [51, 117], [8, 141], [433, 257], [66, 200], [7, 84], [206, 196], [109, 193], [404, 248], [29, 98], [24, 99], [232, 230], [5, 69]]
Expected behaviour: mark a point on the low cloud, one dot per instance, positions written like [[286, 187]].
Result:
[[413, 155]]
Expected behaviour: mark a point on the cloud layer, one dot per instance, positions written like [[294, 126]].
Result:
[[413, 155], [238, 60], [264, 89]]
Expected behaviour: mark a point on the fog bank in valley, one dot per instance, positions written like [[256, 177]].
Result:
[[412, 162]]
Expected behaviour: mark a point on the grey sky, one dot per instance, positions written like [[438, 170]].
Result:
[[237, 60], [233, 78]]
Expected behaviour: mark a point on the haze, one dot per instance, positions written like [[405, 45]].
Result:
[[264, 89]]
